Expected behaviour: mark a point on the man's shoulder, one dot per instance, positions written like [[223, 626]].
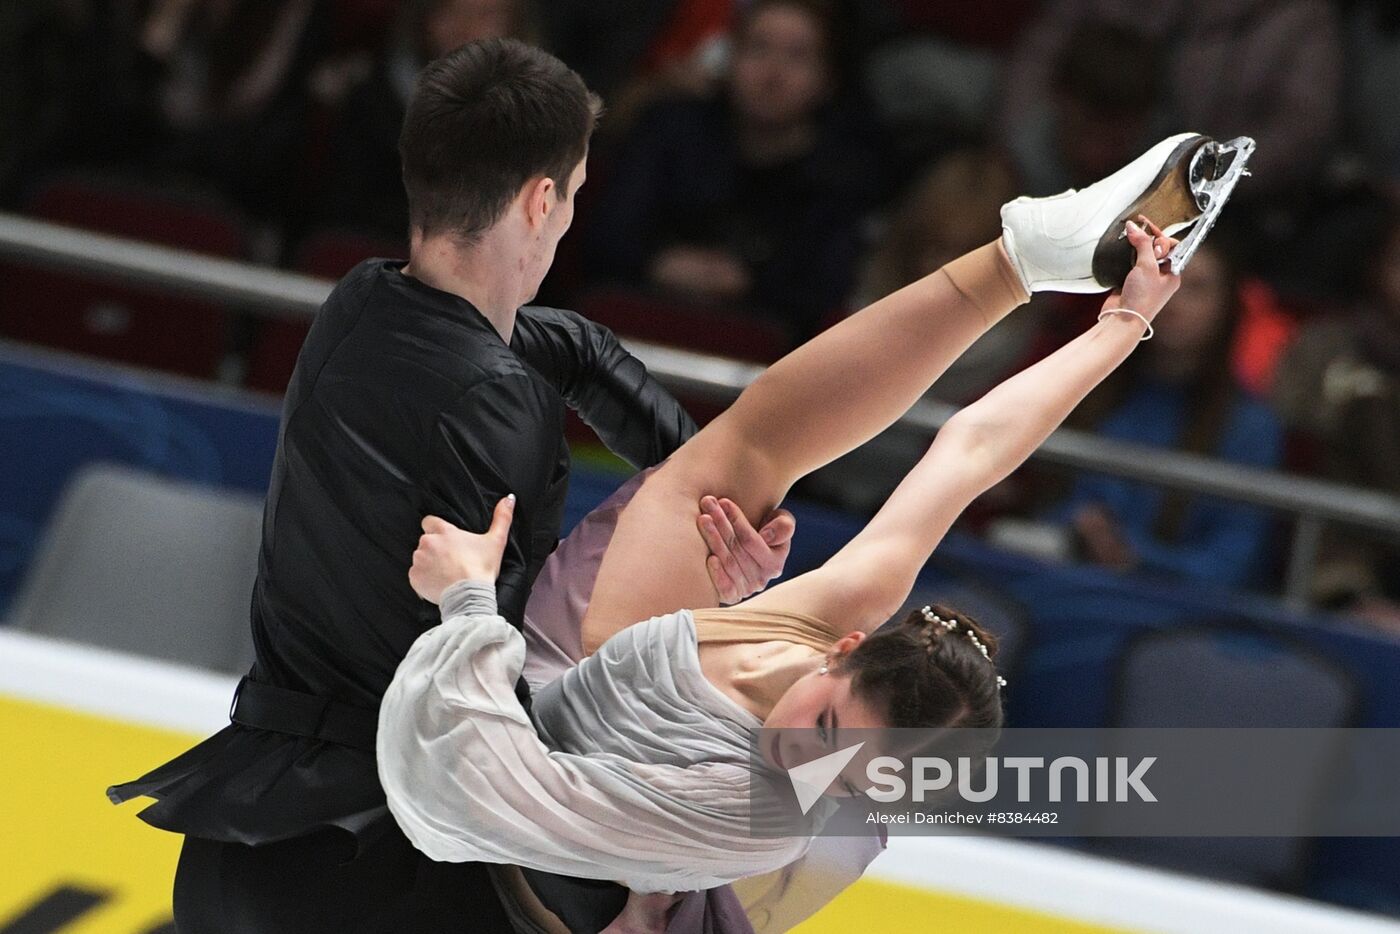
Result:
[[395, 334]]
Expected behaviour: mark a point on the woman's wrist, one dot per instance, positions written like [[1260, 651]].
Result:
[[1137, 318], [469, 597]]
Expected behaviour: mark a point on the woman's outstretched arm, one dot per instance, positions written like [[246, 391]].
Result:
[[868, 580]]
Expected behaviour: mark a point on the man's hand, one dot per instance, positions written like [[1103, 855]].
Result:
[[743, 560], [447, 554]]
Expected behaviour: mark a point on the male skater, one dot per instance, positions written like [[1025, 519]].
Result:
[[422, 389]]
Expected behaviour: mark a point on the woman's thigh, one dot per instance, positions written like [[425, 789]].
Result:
[[655, 561]]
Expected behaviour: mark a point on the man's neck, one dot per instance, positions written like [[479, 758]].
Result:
[[481, 274]]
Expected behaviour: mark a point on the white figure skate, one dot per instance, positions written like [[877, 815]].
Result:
[[1076, 241]]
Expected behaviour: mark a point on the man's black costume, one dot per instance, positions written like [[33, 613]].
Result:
[[405, 402]]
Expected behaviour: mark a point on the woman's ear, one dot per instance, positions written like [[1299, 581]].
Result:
[[847, 643]]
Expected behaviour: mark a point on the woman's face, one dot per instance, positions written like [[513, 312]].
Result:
[[780, 72], [809, 722]]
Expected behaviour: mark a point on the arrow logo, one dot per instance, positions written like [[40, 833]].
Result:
[[810, 780]]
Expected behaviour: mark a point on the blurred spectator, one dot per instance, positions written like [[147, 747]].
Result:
[[938, 82], [687, 56], [752, 197], [636, 52], [228, 93], [365, 189], [606, 41], [1101, 110], [44, 84], [1270, 69], [1179, 392], [1340, 384], [1372, 32]]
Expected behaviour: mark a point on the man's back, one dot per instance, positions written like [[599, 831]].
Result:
[[371, 425]]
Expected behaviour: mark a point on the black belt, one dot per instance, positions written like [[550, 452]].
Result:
[[267, 707]]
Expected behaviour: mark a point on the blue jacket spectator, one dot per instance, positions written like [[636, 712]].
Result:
[[1180, 393]]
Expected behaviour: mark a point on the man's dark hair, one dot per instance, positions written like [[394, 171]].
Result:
[[483, 121]]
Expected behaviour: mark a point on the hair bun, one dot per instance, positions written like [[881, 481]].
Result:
[[939, 619]]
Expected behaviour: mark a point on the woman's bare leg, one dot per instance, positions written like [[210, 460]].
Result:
[[830, 395]]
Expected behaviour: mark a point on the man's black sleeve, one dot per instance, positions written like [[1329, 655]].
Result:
[[608, 387], [475, 458]]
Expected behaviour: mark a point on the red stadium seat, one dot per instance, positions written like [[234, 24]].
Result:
[[104, 318], [276, 344]]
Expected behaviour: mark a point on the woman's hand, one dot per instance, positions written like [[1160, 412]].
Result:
[[447, 554], [644, 914], [1150, 284], [743, 559]]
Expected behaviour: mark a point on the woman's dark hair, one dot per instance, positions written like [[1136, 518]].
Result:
[[924, 674], [483, 121]]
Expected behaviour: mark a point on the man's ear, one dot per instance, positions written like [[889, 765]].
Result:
[[540, 199]]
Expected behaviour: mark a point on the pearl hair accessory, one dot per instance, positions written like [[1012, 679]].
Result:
[[1136, 314], [951, 624]]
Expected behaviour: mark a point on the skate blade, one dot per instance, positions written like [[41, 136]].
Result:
[[1215, 171]]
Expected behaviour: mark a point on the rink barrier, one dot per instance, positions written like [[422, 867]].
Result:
[[1312, 504]]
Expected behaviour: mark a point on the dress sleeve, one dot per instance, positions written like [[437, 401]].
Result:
[[469, 780]]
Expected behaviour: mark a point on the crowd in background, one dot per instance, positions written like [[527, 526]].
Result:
[[781, 162]]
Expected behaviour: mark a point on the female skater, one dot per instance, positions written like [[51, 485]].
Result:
[[648, 783]]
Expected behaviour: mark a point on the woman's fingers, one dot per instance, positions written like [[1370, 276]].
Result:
[[730, 549], [500, 519], [1161, 243], [725, 572], [1142, 242], [724, 584], [749, 548], [779, 528]]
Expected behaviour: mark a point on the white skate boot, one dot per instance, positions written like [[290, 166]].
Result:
[[1076, 242]]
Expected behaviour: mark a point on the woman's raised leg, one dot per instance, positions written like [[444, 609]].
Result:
[[828, 396]]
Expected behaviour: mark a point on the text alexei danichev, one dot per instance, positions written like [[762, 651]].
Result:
[[919, 817]]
